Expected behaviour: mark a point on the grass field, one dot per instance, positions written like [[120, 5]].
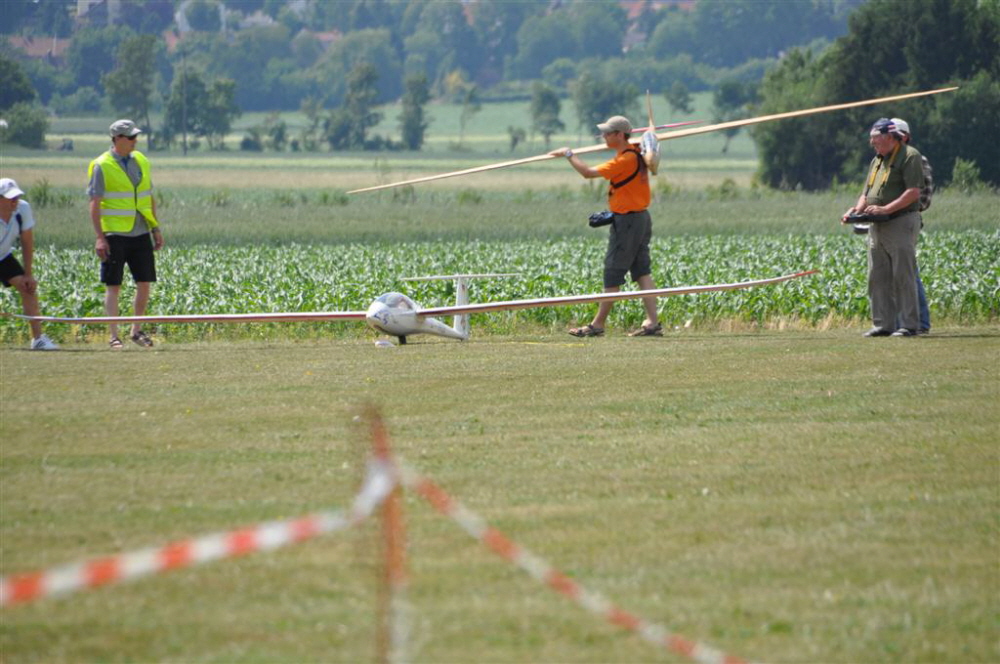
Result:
[[784, 496], [764, 481]]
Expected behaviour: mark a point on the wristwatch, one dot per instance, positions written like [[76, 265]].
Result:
[[569, 153]]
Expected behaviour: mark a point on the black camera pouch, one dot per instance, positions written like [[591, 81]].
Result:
[[599, 219]]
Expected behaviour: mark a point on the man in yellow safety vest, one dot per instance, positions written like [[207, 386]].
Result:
[[123, 212]]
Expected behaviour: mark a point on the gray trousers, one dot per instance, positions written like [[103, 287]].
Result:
[[892, 272]]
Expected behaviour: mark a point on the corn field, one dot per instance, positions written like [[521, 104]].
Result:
[[960, 270]]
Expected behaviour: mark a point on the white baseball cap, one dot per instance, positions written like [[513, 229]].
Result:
[[9, 188], [901, 125]]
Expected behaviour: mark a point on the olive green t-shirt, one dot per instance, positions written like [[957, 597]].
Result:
[[905, 172]]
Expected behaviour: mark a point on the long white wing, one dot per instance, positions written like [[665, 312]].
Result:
[[505, 164], [667, 136], [205, 318], [601, 297], [434, 311]]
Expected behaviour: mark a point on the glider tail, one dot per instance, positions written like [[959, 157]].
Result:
[[460, 322]]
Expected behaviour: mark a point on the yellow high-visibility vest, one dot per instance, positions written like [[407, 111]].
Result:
[[122, 199]]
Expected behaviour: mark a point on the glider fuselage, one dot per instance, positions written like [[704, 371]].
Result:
[[397, 315]]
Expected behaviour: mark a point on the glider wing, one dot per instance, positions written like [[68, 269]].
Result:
[[666, 136], [600, 297], [204, 318]]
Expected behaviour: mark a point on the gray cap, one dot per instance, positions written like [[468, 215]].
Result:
[[615, 123], [9, 189], [124, 128]]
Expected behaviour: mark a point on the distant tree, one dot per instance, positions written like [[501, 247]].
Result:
[[220, 111], [347, 126], [91, 54], [791, 155], [374, 47], [15, 86], [731, 101], [885, 52], [150, 17], [517, 136], [311, 134], [598, 28], [26, 125], [540, 41], [261, 59], [210, 109], [496, 23], [130, 85], [204, 15], [456, 44], [45, 77], [54, 19], [597, 99], [306, 48], [471, 105], [188, 94], [559, 73], [679, 98], [726, 34], [413, 123], [545, 108], [960, 126]]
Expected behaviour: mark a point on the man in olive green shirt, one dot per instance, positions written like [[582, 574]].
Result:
[[892, 189]]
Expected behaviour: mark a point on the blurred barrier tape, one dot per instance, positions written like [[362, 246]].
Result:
[[20, 588], [545, 573]]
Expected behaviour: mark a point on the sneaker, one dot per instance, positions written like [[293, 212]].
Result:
[[904, 332], [877, 332], [44, 343]]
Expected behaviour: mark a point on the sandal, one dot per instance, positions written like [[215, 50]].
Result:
[[142, 339], [116, 343], [651, 331], [587, 331]]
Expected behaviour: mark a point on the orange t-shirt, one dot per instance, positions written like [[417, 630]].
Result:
[[634, 196]]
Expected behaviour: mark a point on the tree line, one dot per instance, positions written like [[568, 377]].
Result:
[[757, 57]]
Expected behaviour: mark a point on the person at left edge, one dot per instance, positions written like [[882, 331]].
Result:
[[16, 221], [123, 213]]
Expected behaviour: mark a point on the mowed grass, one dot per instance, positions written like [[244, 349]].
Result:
[[784, 496]]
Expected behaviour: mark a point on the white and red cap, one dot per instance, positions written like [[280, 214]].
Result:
[[902, 126]]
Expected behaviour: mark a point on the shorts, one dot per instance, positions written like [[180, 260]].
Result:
[[10, 268], [628, 248], [136, 252]]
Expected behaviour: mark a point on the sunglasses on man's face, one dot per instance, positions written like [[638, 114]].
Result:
[[128, 138]]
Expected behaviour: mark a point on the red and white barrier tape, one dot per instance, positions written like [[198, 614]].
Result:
[[545, 573], [21, 588]]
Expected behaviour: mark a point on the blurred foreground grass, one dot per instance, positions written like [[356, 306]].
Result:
[[784, 496]]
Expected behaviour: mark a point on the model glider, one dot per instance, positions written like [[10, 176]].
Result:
[[397, 315], [666, 136]]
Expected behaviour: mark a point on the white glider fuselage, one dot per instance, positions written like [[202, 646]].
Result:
[[398, 316]]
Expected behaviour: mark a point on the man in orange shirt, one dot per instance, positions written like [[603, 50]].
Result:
[[628, 242]]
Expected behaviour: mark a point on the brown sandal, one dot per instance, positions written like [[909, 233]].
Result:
[[651, 331], [116, 343], [587, 331], [142, 339]]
